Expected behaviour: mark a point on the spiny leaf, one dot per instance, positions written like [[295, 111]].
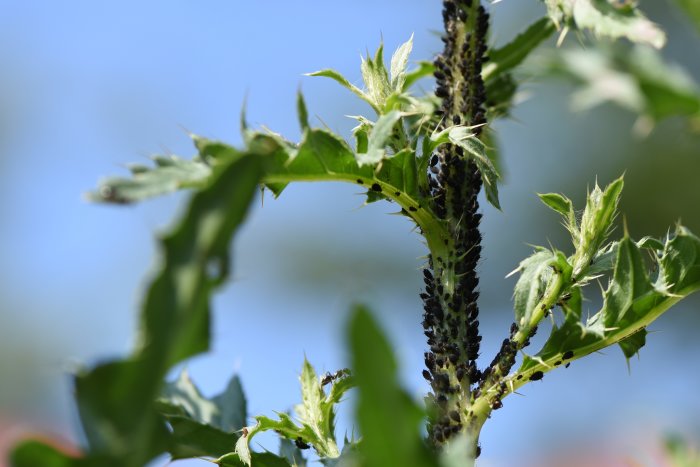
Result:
[[559, 203], [630, 345], [376, 79], [573, 303], [322, 156], [511, 55], [604, 19], [399, 61], [630, 282], [285, 427], [464, 137], [174, 317], [490, 178], [200, 426], [190, 439], [680, 262], [184, 397], [603, 262], [596, 222], [310, 411], [389, 420], [334, 75], [638, 80], [315, 423], [379, 137], [476, 150], [169, 174], [631, 302], [535, 273]]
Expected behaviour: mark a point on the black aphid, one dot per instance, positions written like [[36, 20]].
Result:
[[301, 444]]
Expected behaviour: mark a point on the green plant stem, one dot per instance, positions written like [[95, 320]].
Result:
[[451, 293], [554, 291], [483, 405], [421, 214]]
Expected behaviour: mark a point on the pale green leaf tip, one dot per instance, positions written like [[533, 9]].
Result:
[[243, 118]]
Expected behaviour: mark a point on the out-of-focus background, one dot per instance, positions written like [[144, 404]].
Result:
[[86, 87]]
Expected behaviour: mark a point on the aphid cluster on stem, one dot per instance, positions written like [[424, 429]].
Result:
[[451, 283]]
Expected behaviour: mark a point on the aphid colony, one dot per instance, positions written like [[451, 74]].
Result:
[[450, 298]]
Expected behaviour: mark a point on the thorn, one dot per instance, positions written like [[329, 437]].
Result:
[[562, 35]]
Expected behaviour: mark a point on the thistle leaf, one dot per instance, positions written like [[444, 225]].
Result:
[[604, 19], [389, 419], [378, 139], [399, 61], [334, 75], [631, 302], [202, 427], [535, 273]]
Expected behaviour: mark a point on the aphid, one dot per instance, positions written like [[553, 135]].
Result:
[[412, 209], [497, 404], [536, 376], [441, 92], [568, 354], [359, 181], [426, 375], [439, 437], [245, 432], [376, 187], [301, 444], [454, 415]]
